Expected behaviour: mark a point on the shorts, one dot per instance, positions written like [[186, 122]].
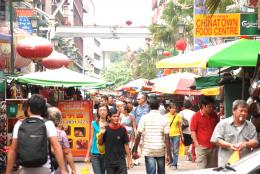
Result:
[[187, 139]]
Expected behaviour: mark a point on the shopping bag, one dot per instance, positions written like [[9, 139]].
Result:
[[86, 169], [101, 148], [181, 149], [235, 156]]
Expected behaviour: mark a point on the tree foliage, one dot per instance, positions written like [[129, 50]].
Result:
[[219, 6], [146, 63], [118, 73], [166, 33]]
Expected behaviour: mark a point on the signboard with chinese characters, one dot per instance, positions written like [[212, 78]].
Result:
[[76, 122], [25, 12], [25, 23]]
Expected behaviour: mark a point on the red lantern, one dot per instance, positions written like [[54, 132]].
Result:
[[19, 62], [166, 54], [34, 47], [181, 45], [129, 22], [55, 60], [5, 51]]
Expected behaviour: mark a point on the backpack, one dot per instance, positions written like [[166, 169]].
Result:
[[33, 149], [184, 123]]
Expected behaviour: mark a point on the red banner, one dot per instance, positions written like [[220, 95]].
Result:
[[25, 12]]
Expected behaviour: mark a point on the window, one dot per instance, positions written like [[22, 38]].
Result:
[[96, 56], [96, 42], [96, 70]]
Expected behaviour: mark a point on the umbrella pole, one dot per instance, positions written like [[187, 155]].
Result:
[[243, 84]]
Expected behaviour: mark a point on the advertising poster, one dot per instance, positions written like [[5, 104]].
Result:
[[258, 15], [76, 122], [249, 24], [200, 43], [200, 7]]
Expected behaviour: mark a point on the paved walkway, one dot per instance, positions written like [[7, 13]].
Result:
[[183, 165]]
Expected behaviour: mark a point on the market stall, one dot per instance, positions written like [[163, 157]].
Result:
[[77, 113]]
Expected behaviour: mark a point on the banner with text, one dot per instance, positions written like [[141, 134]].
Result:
[[223, 25], [76, 122]]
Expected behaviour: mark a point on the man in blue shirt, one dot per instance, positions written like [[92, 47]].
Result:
[[142, 108]]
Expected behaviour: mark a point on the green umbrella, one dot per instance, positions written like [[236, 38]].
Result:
[[63, 77], [243, 52]]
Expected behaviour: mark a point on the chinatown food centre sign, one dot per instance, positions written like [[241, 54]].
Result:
[[225, 25]]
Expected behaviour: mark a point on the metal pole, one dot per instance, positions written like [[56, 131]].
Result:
[[12, 35]]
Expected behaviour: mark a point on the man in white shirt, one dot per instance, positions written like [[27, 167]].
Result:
[[36, 109], [156, 139], [187, 114]]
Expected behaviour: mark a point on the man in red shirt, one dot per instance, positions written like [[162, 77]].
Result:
[[202, 126]]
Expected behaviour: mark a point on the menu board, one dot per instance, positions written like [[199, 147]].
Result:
[[76, 122]]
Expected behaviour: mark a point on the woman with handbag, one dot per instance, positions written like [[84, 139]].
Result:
[[175, 134], [94, 154], [54, 115]]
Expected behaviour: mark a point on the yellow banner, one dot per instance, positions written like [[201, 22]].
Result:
[[217, 25], [211, 91], [77, 117]]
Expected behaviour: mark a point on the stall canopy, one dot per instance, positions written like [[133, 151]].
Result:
[[178, 83], [207, 81], [62, 77], [134, 85], [241, 52], [5, 37]]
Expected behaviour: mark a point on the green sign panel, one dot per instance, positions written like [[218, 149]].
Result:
[[12, 110], [248, 24]]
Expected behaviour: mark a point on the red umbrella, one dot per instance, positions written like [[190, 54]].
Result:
[[34, 47], [174, 83], [55, 60]]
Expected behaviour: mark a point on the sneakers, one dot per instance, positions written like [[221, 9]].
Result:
[[174, 167], [188, 158], [137, 163]]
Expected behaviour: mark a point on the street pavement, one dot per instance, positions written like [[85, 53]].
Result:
[[183, 165]]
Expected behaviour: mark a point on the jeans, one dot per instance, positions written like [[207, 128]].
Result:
[[120, 169], [175, 144], [150, 164], [98, 163]]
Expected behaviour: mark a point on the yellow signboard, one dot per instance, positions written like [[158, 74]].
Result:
[[217, 25], [211, 91], [76, 121]]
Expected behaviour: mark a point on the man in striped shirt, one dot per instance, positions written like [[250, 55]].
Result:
[[156, 139]]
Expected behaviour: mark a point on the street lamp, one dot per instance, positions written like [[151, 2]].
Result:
[[55, 42], [181, 27], [34, 22], [159, 51]]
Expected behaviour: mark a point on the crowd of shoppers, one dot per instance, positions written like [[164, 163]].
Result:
[[121, 125]]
